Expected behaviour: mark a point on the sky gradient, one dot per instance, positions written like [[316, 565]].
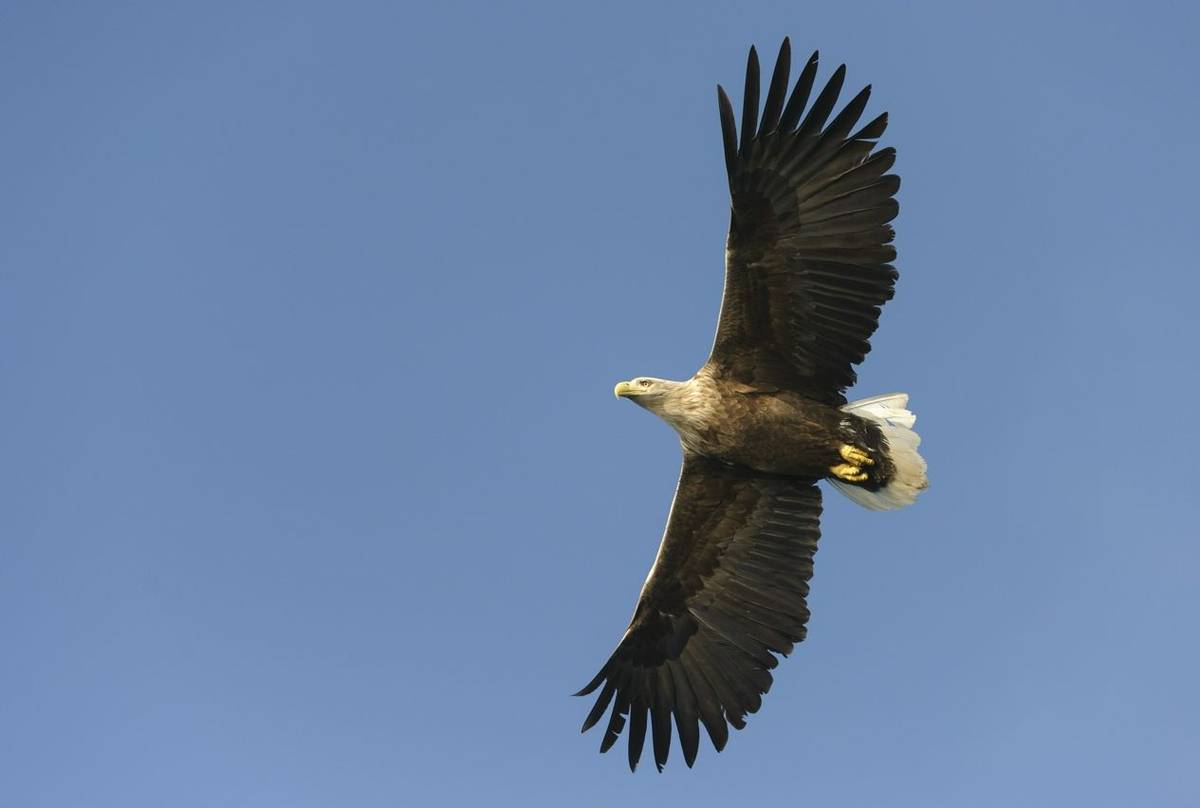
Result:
[[314, 491]]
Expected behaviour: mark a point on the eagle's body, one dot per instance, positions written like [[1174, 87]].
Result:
[[772, 431], [807, 268]]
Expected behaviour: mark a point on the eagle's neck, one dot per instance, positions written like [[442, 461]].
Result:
[[691, 409]]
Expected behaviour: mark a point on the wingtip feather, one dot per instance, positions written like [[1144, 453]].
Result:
[[728, 131], [750, 100], [777, 92], [592, 685]]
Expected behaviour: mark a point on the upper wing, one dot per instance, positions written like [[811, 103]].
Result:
[[807, 257], [727, 589]]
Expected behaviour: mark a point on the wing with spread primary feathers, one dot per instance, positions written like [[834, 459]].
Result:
[[808, 255], [726, 592]]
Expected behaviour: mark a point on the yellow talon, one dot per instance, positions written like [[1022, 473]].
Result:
[[855, 455], [849, 473]]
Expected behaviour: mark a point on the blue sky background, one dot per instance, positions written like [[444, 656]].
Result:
[[314, 491]]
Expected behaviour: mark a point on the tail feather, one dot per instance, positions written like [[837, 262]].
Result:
[[891, 413]]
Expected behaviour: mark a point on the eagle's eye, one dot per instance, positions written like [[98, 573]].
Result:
[[645, 382]]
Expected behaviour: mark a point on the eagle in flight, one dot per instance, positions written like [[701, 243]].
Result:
[[808, 264]]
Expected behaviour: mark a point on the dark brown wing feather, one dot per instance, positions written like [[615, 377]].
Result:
[[808, 253], [726, 592]]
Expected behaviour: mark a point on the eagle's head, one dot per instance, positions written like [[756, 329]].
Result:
[[647, 391]]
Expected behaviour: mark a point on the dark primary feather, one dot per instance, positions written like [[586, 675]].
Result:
[[804, 85], [778, 89], [726, 593], [750, 101], [808, 262]]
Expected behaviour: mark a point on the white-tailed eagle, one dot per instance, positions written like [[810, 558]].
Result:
[[808, 264]]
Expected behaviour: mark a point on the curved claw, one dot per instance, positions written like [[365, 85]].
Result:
[[855, 455], [848, 472]]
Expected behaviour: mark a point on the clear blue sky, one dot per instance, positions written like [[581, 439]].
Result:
[[314, 491]]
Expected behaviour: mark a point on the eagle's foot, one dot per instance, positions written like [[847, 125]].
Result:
[[854, 455], [848, 473]]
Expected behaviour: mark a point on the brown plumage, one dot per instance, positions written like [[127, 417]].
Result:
[[807, 268]]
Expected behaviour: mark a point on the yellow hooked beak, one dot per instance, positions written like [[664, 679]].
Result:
[[623, 389]]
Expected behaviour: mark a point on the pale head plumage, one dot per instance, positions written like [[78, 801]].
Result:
[[649, 392], [686, 405]]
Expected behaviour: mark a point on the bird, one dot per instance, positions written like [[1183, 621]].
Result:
[[808, 266]]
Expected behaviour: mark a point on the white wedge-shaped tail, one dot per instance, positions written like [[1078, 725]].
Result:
[[896, 422]]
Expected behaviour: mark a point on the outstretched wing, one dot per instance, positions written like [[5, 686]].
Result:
[[807, 257], [726, 592]]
